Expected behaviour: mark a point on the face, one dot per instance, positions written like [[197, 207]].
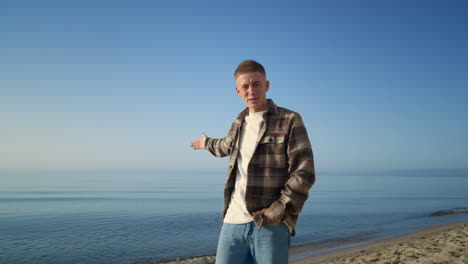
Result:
[[252, 88]]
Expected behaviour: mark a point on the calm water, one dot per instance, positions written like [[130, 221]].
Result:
[[139, 217]]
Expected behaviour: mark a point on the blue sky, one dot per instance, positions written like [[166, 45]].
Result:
[[381, 85]]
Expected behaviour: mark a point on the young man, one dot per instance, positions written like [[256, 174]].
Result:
[[271, 170]]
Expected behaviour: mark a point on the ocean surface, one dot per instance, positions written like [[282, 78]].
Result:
[[143, 216]]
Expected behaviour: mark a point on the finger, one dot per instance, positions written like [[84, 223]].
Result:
[[195, 144], [264, 211], [260, 212]]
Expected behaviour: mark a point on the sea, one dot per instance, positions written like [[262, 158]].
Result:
[[142, 216]]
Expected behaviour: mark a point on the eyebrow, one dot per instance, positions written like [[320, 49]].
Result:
[[246, 82]]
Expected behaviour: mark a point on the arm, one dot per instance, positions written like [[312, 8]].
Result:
[[301, 175], [219, 147]]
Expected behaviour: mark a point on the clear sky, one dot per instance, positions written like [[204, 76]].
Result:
[[128, 84]]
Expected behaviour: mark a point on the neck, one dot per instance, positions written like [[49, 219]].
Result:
[[260, 109]]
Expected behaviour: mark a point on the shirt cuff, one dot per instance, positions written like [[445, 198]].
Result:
[[277, 210]]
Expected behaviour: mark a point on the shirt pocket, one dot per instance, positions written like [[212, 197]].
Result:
[[272, 151]]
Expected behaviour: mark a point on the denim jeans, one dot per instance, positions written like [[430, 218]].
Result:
[[245, 244]]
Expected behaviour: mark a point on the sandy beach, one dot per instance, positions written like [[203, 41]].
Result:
[[444, 244]]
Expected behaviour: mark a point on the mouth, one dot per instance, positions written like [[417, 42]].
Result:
[[252, 100]]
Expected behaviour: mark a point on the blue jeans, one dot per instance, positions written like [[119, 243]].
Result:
[[245, 244]]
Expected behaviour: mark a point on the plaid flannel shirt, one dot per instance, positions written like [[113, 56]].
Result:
[[281, 170]]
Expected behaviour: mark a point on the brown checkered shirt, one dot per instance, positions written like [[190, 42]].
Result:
[[281, 170]]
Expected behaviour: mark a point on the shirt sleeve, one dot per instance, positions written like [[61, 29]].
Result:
[[301, 171], [221, 147]]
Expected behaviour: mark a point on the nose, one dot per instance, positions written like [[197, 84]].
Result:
[[251, 90]]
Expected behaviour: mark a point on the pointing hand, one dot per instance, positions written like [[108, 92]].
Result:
[[199, 143]]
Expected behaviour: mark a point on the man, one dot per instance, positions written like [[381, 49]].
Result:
[[271, 170]]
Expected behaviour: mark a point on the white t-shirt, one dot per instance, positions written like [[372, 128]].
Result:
[[237, 211]]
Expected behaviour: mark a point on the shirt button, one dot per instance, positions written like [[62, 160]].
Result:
[[271, 140]]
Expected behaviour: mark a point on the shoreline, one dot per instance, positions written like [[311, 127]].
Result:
[[448, 241], [381, 251]]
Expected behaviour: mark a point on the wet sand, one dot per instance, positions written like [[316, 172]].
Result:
[[444, 244]]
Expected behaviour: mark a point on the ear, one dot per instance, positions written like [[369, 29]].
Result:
[[267, 84], [237, 90]]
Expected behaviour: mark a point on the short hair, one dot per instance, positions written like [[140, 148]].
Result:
[[249, 66]]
